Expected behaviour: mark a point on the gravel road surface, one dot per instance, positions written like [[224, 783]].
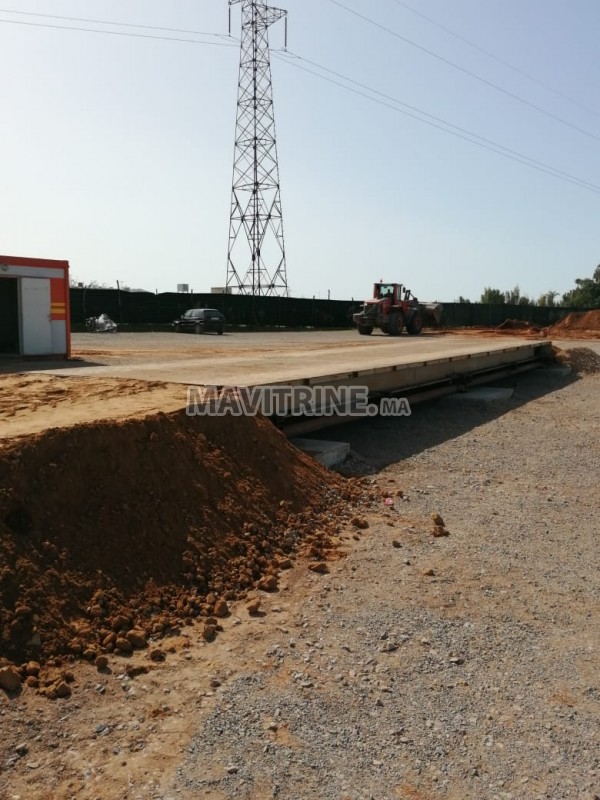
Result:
[[460, 666]]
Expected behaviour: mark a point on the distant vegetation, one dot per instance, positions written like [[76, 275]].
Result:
[[585, 294]]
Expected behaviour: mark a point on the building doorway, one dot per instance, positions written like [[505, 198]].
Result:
[[9, 317]]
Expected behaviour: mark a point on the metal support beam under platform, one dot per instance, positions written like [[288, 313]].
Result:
[[419, 381]]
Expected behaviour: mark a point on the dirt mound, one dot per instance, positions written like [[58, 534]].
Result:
[[578, 321], [145, 524], [517, 325], [582, 360]]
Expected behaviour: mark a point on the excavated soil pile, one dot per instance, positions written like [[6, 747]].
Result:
[[121, 530], [576, 323], [517, 325], [582, 360]]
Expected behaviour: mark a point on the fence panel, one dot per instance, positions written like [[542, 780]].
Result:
[[146, 308]]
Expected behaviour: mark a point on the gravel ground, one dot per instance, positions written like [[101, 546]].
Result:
[[477, 680], [462, 667]]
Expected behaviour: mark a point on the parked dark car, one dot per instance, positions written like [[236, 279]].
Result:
[[200, 320]]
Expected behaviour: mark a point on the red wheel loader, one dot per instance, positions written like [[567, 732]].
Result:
[[393, 308]]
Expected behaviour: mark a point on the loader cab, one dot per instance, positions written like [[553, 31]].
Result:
[[387, 291]]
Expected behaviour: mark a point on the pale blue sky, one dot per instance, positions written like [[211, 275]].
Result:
[[117, 151]]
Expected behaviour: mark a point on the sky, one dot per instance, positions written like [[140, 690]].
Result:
[[117, 150]]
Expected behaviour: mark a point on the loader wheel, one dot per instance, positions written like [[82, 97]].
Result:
[[365, 330], [395, 324], [415, 326]]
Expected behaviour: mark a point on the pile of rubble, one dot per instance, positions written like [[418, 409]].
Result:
[[582, 360]]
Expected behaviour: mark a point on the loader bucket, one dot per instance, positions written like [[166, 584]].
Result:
[[431, 313]]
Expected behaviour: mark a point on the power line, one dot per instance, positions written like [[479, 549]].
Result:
[[393, 103], [437, 122], [496, 58], [112, 22], [118, 33], [464, 70], [225, 36]]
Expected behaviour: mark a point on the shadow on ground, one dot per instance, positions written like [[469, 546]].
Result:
[[13, 366], [378, 442]]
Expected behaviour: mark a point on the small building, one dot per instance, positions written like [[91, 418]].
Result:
[[34, 307]]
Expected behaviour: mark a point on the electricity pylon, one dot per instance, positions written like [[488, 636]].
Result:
[[256, 255]]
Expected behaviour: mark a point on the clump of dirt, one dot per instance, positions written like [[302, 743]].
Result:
[[517, 325], [577, 325], [114, 529], [582, 360]]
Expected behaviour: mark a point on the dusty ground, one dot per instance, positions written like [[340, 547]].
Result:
[[116, 376], [30, 403], [459, 666], [253, 358], [125, 348]]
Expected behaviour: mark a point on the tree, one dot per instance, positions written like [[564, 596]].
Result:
[[492, 296], [514, 297], [585, 293], [462, 299], [75, 283], [548, 299]]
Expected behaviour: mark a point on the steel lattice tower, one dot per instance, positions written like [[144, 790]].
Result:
[[256, 255]]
